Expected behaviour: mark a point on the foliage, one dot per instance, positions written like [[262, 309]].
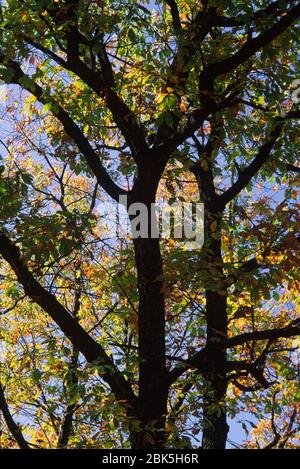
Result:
[[108, 342]]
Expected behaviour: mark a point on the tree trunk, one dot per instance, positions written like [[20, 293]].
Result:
[[215, 427], [153, 393], [152, 401]]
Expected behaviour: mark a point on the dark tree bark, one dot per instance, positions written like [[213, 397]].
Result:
[[66, 428], [153, 390], [152, 400], [215, 427], [13, 427]]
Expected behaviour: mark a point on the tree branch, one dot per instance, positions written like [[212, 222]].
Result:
[[248, 49], [252, 169], [90, 349], [175, 15], [67, 423], [100, 81], [271, 10], [199, 359], [291, 330], [13, 427], [71, 382], [70, 127], [290, 167], [194, 120]]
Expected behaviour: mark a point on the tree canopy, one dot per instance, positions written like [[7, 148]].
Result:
[[140, 342]]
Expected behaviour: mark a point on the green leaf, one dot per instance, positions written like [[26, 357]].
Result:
[[48, 106], [27, 178], [27, 83], [132, 36], [36, 375], [6, 73]]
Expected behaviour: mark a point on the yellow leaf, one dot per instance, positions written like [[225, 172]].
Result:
[[183, 104], [159, 98]]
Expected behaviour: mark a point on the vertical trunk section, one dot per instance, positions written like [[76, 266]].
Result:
[[152, 402], [215, 427], [153, 393]]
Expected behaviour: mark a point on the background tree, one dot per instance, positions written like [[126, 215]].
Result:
[[145, 344]]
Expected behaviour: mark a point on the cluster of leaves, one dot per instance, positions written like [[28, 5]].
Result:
[[49, 202]]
